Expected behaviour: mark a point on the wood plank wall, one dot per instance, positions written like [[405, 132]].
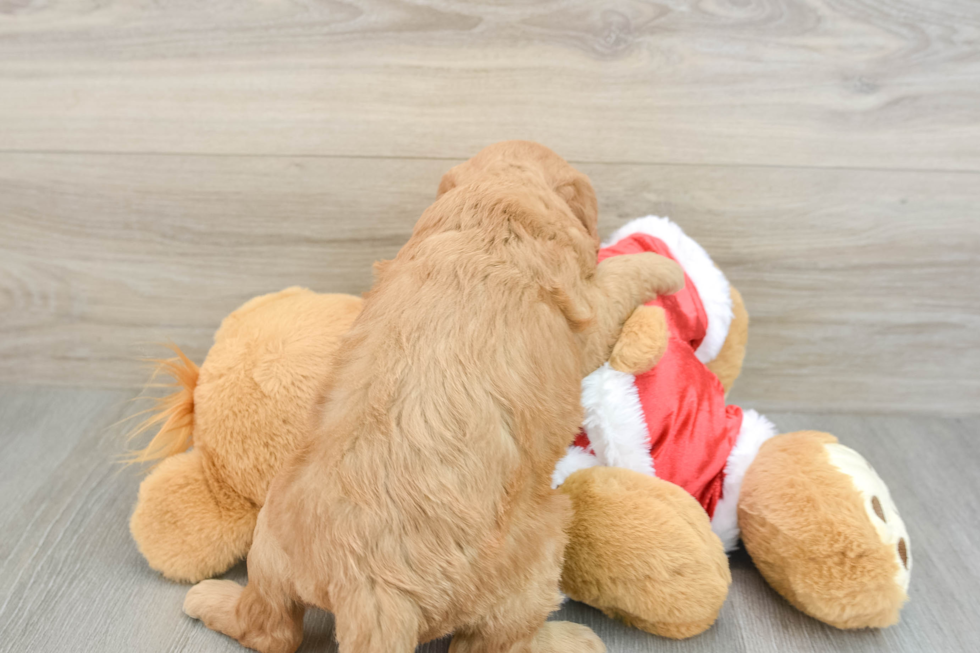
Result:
[[162, 162]]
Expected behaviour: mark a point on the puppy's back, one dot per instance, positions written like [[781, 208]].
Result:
[[449, 384]]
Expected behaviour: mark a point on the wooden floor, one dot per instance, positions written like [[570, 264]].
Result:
[[72, 580]]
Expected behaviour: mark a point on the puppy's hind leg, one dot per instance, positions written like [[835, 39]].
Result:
[[214, 603], [551, 637], [517, 623], [565, 637], [264, 615], [246, 614], [374, 617]]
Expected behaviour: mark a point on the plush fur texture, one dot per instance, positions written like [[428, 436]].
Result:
[[642, 343], [878, 506], [617, 429], [727, 365], [421, 503], [807, 529], [575, 458], [641, 550], [244, 413]]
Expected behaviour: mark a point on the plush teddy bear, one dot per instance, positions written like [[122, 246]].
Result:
[[242, 413], [662, 462]]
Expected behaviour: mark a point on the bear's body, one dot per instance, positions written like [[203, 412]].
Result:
[[672, 421]]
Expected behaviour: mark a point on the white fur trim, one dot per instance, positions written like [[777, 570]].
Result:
[[711, 284], [575, 459], [755, 430], [614, 420]]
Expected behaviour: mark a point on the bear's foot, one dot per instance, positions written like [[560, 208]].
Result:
[[641, 550], [822, 529]]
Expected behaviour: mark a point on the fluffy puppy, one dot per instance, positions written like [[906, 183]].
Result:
[[422, 503]]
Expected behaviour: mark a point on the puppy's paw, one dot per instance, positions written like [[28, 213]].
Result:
[[210, 597], [566, 637]]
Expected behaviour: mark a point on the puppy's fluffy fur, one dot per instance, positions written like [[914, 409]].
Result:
[[422, 503]]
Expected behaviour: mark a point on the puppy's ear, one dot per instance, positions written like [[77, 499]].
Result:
[[447, 184], [580, 197]]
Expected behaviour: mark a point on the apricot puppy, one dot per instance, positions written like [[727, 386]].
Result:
[[421, 503]]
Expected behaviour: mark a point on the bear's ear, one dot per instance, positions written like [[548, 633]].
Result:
[[580, 197]]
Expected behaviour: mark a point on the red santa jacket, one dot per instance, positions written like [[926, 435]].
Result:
[[672, 422]]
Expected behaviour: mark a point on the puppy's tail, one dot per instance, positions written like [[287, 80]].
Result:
[[375, 617], [174, 412]]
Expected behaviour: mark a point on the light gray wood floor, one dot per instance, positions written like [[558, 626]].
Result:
[[72, 580]]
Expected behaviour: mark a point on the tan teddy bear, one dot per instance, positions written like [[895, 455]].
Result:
[[229, 427], [665, 476]]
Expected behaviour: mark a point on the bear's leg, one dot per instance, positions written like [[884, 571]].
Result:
[[641, 550], [265, 615], [822, 529], [181, 528]]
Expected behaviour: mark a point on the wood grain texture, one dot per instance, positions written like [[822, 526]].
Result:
[[849, 83], [162, 162], [72, 580], [862, 285]]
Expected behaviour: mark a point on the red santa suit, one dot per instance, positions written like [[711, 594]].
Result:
[[672, 422]]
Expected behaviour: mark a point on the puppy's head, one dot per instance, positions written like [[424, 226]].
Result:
[[526, 157]]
